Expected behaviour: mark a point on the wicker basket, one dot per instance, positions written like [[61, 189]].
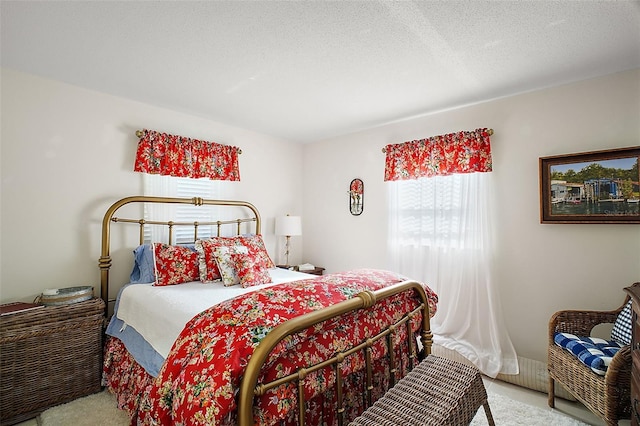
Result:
[[49, 356]]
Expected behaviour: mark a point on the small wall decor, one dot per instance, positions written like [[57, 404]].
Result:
[[356, 197], [591, 187]]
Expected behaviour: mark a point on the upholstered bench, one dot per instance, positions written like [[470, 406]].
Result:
[[439, 391]]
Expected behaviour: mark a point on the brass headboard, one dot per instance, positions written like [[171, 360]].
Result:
[[109, 218]]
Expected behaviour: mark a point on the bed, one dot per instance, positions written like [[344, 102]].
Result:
[[241, 341]]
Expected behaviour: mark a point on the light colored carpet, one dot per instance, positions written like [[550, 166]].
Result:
[[100, 410], [507, 411]]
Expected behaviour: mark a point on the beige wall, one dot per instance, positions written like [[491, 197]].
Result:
[[542, 268], [67, 155]]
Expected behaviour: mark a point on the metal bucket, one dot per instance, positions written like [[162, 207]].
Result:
[[66, 296]]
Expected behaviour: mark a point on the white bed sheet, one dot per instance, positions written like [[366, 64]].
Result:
[[159, 314]]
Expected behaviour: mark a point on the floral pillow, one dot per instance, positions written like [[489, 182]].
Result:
[[226, 265], [256, 247], [250, 270], [174, 264], [209, 270]]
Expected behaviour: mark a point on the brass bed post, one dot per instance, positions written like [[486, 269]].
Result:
[[141, 234], [340, 410], [426, 336], [368, 394], [392, 356], [411, 343], [301, 402], [105, 255]]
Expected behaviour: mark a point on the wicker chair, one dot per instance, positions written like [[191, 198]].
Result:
[[606, 396]]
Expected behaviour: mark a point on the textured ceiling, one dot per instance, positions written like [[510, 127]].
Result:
[[311, 70]]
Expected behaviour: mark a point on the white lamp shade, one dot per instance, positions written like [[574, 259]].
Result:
[[288, 225]]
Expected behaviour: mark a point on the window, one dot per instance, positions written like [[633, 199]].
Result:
[[440, 232], [434, 212], [169, 186]]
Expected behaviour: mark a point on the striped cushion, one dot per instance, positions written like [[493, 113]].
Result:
[[593, 352]]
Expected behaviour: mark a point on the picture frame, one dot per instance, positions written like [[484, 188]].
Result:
[[591, 187]]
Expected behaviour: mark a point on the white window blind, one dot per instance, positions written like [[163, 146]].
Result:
[[169, 186], [431, 212]]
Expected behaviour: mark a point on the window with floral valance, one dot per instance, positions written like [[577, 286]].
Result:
[[460, 152], [441, 223], [179, 156]]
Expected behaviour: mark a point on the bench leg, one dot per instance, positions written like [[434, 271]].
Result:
[[487, 411]]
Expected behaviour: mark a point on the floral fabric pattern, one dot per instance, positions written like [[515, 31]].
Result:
[[124, 377], [170, 155], [256, 247], [461, 152], [175, 264], [199, 380], [250, 270], [226, 265], [209, 271]]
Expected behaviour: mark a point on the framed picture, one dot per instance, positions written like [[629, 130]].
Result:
[[591, 187]]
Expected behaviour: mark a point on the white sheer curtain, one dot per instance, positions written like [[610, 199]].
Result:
[[441, 232]]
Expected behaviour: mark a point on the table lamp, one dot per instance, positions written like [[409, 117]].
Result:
[[288, 226]]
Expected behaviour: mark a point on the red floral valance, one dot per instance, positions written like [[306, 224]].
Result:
[[160, 153], [461, 152]]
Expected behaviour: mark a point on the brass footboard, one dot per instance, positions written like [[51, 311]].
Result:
[[250, 388]]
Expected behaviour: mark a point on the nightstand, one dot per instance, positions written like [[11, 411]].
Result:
[[316, 271], [49, 356]]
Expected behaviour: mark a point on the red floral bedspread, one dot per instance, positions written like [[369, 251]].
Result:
[[199, 380]]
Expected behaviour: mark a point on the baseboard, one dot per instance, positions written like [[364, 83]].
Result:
[[533, 374]]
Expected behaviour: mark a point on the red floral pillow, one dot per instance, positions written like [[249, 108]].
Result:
[[209, 271], [174, 264], [250, 270], [256, 247]]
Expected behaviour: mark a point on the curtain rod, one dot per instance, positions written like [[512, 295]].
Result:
[[140, 133], [490, 131]]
